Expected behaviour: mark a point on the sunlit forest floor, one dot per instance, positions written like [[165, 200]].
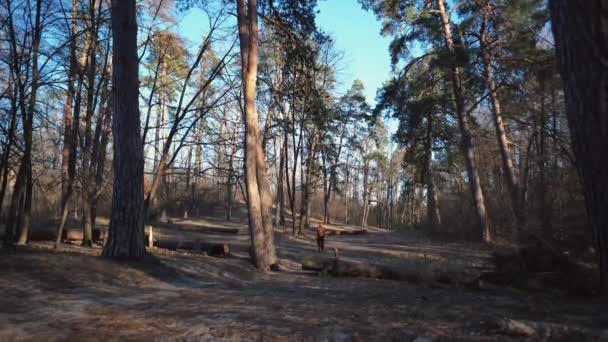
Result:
[[72, 294]]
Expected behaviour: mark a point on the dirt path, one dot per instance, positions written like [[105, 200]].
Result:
[[71, 294]]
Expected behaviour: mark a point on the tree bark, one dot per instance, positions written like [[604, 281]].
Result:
[[366, 192], [580, 29], [87, 180], [326, 189], [9, 143], [465, 131], [307, 183], [68, 116], [28, 127], [433, 214], [126, 232], [259, 200], [346, 188], [280, 203]]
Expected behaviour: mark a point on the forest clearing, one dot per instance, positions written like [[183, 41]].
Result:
[[314, 170], [49, 295]]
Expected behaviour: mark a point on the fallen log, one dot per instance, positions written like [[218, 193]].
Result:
[[219, 230], [346, 232], [211, 249], [196, 228], [342, 268], [70, 234], [537, 266], [77, 234]]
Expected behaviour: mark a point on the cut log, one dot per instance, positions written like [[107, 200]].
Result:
[[77, 234], [219, 230], [196, 228], [71, 234], [346, 232], [516, 328], [342, 268], [212, 249], [150, 237]]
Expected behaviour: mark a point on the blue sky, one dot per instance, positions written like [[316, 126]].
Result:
[[356, 34]]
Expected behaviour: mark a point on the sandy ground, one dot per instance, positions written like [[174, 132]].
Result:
[[72, 294]]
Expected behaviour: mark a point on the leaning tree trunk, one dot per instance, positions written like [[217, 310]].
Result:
[[581, 36], [465, 131], [259, 200], [125, 238], [501, 134]]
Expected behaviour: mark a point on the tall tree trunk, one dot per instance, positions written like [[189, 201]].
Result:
[[326, 189], [307, 183], [259, 200], [157, 146], [126, 232], [100, 142], [580, 29], [541, 160], [501, 134], [433, 214], [71, 139], [86, 180], [292, 193], [346, 189], [465, 131], [366, 192], [28, 127], [15, 208], [303, 190], [280, 207], [229, 186], [100, 158], [9, 144], [68, 116], [198, 160], [355, 188]]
